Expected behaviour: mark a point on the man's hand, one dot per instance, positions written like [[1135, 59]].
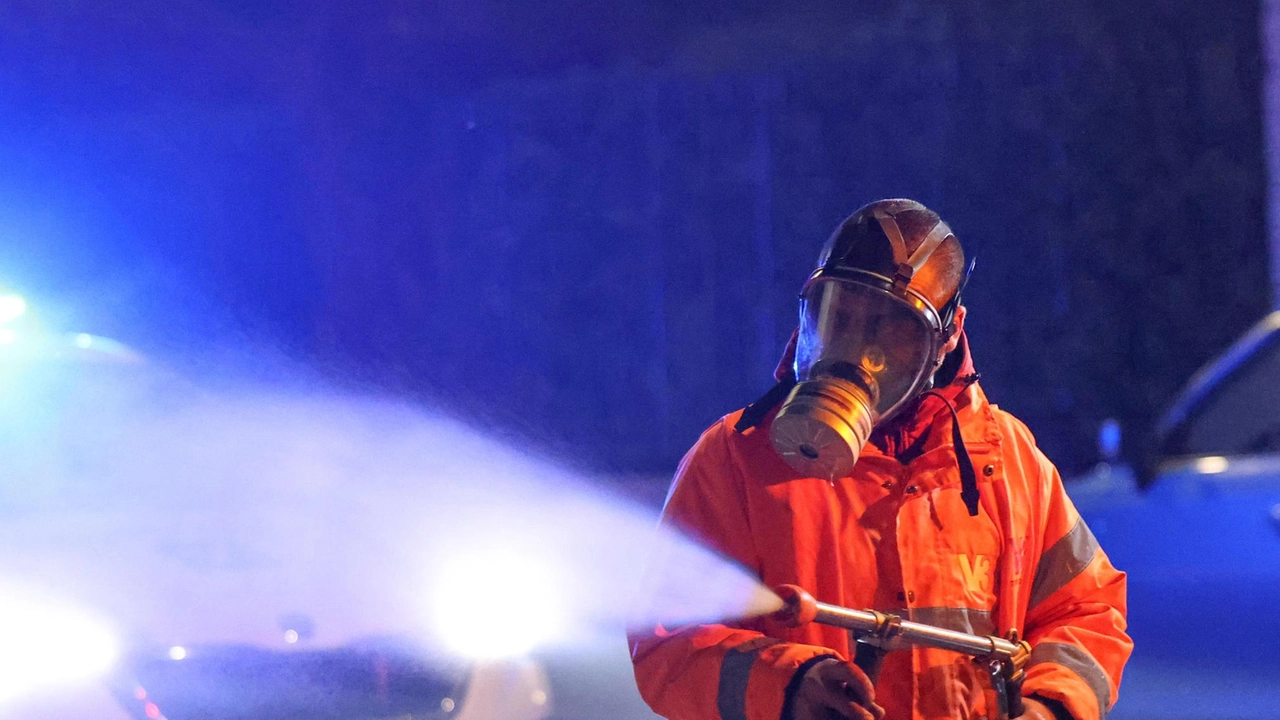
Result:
[[835, 689], [1036, 710]]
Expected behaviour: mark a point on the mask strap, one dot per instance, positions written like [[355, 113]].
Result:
[[968, 476], [930, 243], [891, 230], [949, 310], [908, 266], [755, 413]]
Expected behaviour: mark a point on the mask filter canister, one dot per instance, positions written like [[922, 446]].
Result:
[[822, 427]]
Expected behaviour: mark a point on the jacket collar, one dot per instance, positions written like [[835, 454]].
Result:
[[911, 430]]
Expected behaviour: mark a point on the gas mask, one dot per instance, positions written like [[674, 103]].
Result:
[[869, 341]]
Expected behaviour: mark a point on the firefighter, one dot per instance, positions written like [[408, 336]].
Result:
[[877, 475]]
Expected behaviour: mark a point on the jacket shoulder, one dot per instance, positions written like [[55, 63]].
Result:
[[1034, 470], [711, 455], [1011, 428], [726, 452], [725, 434], [721, 433]]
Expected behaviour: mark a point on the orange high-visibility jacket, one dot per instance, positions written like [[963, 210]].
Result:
[[898, 538]]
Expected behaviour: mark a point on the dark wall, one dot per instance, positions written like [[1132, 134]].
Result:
[[590, 224]]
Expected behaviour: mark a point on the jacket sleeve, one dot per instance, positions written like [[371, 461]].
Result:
[[716, 671], [1075, 611]]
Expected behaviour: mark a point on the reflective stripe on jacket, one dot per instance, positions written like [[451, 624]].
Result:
[[893, 537]]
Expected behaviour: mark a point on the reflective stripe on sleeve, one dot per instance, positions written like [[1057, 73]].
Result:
[[735, 670], [1063, 561], [1079, 661]]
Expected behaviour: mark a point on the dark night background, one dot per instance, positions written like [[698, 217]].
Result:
[[587, 222]]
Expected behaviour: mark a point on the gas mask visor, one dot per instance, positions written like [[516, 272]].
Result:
[[863, 350]]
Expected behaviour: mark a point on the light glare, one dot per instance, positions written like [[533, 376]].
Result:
[[1212, 465], [11, 307], [44, 644], [177, 652], [497, 603], [7, 336]]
